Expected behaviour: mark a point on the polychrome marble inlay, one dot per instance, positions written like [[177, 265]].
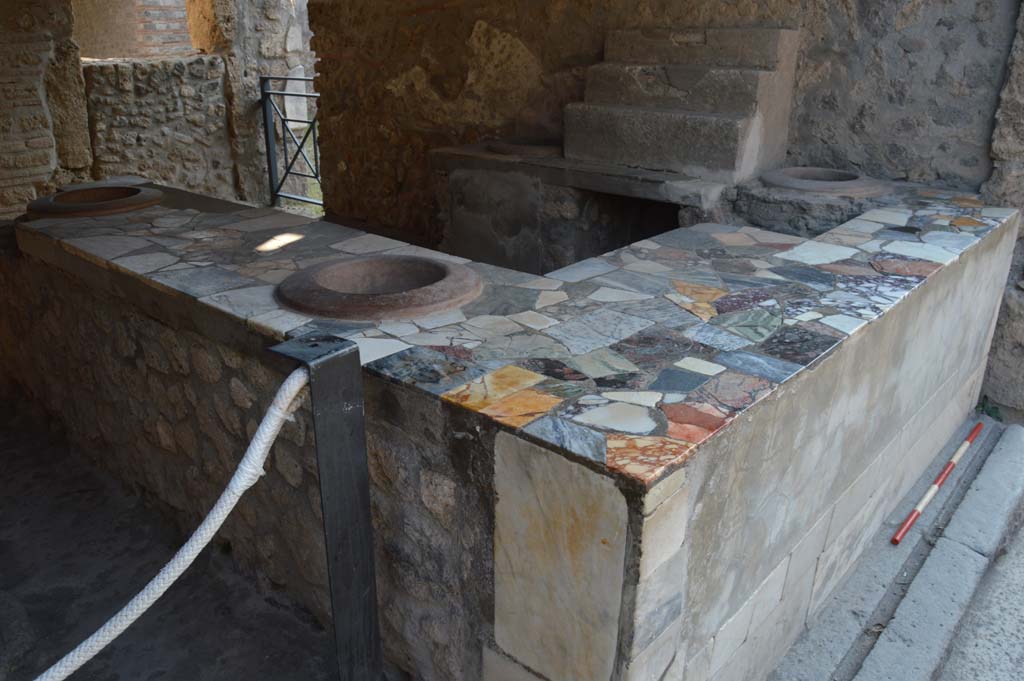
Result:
[[629, 360]]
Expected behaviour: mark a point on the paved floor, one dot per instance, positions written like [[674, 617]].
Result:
[[74, 547], [990, 644]]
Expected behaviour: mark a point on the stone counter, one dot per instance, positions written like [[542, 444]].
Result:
[[662, 457]]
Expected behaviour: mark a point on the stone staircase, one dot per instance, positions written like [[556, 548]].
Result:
[[712, 104]]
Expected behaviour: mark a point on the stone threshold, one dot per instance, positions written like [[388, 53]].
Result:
[[895, 614], [618, 180]]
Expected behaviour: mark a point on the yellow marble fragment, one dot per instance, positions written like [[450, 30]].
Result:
[[699, 292], [521, 408], [491, 387], [965, 221]]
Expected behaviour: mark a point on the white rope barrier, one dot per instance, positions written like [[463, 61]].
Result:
[[248, 472]]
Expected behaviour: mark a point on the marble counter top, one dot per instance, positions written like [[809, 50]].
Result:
[[629, 360]]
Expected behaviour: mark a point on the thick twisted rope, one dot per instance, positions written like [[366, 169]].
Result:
[[248, 472]]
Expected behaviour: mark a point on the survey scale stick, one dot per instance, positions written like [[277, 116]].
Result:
[[933, 489]]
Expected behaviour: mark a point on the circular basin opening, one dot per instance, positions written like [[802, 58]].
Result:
[[824, 181], [380, 287], [94, 200], [96, 194], [374, 276]]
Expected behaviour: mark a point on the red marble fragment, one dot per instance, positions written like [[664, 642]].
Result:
[[914, 268]]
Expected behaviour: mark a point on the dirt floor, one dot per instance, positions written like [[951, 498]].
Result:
[[75, 546]]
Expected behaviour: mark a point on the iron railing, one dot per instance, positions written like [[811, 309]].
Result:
[[272, 113]]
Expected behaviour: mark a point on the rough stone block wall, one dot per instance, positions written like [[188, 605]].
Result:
[[901, 89], [43, 129], [1004, 382], [170, 413], [165, 120], [255, 38], [432, 472], [517, 221]]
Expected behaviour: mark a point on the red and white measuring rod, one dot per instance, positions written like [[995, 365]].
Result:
[[934, 488]]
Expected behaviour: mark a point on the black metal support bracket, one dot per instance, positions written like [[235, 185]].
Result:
[[336, 396]]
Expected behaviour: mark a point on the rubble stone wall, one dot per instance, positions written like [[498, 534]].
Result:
[[255, 38], [170, 413], [165, 120]]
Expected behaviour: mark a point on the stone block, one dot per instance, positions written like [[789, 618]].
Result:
[[757, 48], [731, 637], [804, 559], [659, 603], [844, 546], [696, 668], [687, 87], [497, 667], [718, 147], [769, 595], [867, 485], [663, 532], [559, 545], [992, 507], [655, 659], [915, 641]]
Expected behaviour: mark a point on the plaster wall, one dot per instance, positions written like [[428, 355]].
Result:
[[901, 89], [94, 22]]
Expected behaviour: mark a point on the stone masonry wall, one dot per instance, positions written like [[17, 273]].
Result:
[[897, 88], [168, 412], [1004, 382], [165, 120], [44, 128], [432, 477], [255, 38], [43, 131]]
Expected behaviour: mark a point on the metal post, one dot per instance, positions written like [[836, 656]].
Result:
[[268, 136], [336, 394]]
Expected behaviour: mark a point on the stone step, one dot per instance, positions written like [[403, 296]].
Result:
[[717, 147], [700, 88], [757, 48]]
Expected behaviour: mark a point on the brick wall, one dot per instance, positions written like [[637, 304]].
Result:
[[26, 138], [43, 131], [132, 28]]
